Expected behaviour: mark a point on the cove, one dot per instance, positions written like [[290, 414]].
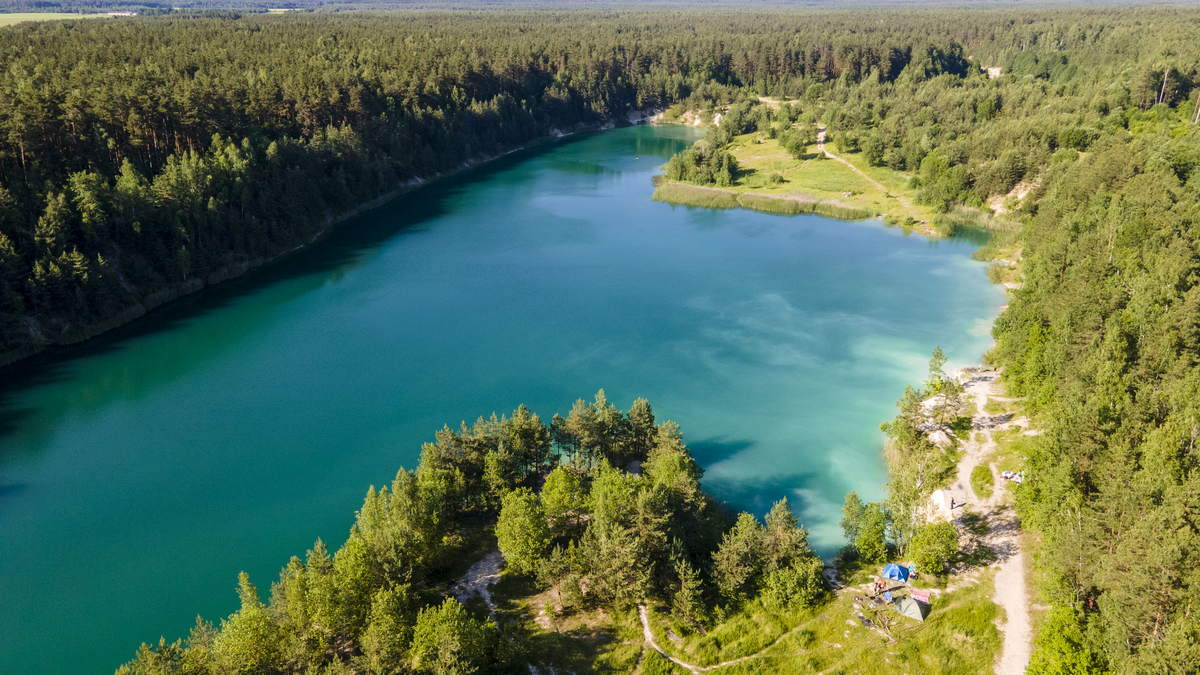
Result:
[[141, 471]]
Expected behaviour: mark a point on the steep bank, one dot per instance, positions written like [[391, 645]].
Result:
[[43, 337]]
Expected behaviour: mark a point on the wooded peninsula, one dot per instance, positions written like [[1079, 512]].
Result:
[[143, 158]]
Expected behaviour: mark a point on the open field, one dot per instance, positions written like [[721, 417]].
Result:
[[770, 169], [22, 17], [771, 179]]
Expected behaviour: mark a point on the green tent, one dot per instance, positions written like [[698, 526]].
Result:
[[911, 608]]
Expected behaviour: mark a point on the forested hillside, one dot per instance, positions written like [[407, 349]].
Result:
[[1104, 341]]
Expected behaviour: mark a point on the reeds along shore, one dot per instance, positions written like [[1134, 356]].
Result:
[[717, 198]]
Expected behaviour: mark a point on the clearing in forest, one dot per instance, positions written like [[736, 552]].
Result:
[[22, 17]]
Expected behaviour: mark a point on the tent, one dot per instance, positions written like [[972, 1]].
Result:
[[911, 608], [895, 572]]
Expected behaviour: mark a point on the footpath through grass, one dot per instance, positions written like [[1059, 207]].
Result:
[[767, 168], [958, 636]]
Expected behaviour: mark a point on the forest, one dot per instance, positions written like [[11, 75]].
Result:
[[144, 158], [141, 159]]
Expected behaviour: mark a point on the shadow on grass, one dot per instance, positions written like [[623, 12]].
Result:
[[571, 649]]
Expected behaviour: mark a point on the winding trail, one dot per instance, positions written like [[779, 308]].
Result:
[[649, 635], [879, 186]]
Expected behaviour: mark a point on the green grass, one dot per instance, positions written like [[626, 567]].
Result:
[[966, 217], [1012, 447], [580, 642], [767, 168], [21, 17], [721, 198], [997, 407], [959, 636], [981, 481], [693, 195]]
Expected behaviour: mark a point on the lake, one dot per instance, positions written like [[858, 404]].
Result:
[[141, 471]]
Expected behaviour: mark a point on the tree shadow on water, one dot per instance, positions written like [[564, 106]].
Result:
[[345, 246], [709, 451]]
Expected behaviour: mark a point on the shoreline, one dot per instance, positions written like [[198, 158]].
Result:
[[790, 204], [165, 296]]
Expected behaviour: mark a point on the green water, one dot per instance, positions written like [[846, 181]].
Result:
[[140, 472]]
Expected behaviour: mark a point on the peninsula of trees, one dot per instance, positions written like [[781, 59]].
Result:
[[558, 501]]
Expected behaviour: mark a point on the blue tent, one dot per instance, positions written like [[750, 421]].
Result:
[[895, 572]]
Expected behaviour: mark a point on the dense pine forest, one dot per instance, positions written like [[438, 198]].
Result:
[[144, 158]]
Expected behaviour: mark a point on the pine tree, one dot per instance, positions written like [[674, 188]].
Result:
[[447, 641], [739, 561], [687, 601], [521, 531]]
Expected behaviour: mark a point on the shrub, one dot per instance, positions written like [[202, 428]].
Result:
[[933, 545], [797, 585]]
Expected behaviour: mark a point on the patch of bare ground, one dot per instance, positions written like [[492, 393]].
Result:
[[994, 520]]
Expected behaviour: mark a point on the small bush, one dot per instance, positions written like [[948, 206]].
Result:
[[981, 481], [798, 585], [933, 546]]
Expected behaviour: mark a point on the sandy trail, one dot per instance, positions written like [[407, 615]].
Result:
[[1004, 526], [649, 635]]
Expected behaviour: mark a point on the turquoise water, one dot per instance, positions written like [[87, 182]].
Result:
[[140, 472]]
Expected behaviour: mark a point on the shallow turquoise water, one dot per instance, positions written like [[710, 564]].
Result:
[[139, 473]]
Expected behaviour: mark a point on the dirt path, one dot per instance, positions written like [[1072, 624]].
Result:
[[879, 186], [649, 635], [478, 580], [1004, 526]]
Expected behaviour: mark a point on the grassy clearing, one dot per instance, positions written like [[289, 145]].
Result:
[[1012, 447], [959, 636], [21, 17], [981, 481], [995, 407], [767, 168], [582, 642]]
